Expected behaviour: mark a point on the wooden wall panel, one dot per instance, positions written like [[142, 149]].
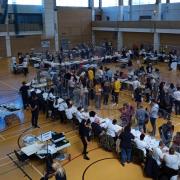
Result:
[[131, 39], [2, 47], [25, 43], [102, 36], [74, 24], [170, 40]]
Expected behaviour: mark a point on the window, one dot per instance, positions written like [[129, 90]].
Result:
[[126, 2], [26, 2], [163, 1], [138, 2], [108, 3], [96, 3], [174, 1], [72, 3]]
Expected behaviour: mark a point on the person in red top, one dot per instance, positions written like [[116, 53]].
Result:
[[127, 112]]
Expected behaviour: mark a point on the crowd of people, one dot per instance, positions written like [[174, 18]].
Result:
[[79, 87]]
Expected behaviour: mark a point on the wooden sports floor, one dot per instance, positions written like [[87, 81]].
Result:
[[102, 164]]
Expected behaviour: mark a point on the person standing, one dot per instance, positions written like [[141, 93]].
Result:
[[25, 67], [24, 93], [142, 116], [126, 138], [34, 107], [98, 91], [138, 96], [136, 83], [117, 87], [166, 132], [176, 96], [153, 116], [84, 132], [106, 92]]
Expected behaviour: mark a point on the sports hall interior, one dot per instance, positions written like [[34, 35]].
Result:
[[40, 26]]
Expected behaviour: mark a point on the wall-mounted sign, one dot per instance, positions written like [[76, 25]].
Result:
[[45, 44]]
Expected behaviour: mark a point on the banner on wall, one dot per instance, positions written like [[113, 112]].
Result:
[[45, 44]]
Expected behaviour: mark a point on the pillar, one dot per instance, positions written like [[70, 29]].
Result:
[[158, 10], [8, 46], [156, 41], [100, 4], [119, 40], [8, 39], [56, 32], [130, 9], [91, 5], [93, 38], [167, 1], [121, 11], [48, 19]]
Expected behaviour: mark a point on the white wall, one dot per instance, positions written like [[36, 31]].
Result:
[[169, 12]]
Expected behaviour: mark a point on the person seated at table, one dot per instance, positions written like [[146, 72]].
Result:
[[62, 107], [166, 132], [50, 100], [172, 164], [157, 153], [92, 115], [126, 138], [55, 108], [141, 144], [59, 172], [69, 113], [85, 114], [149, 69], [176, 142], [111, 129], [79, 115]]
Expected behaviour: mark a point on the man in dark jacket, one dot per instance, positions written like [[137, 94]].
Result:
[[84, 132], [126, 138], [24, 93]]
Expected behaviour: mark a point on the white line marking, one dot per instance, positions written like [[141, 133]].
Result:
[[37, 170], [5, 164], [8, 85], [2, 137]]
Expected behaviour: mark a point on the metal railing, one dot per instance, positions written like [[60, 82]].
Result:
[[138, 24]]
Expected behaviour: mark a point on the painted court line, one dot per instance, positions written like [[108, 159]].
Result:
[[2, 137], [8, 85], [36, 169]]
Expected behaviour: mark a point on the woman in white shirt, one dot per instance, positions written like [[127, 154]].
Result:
[[112, 130], [69, 113], [141, 144], [172, 164], [79, 115]]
